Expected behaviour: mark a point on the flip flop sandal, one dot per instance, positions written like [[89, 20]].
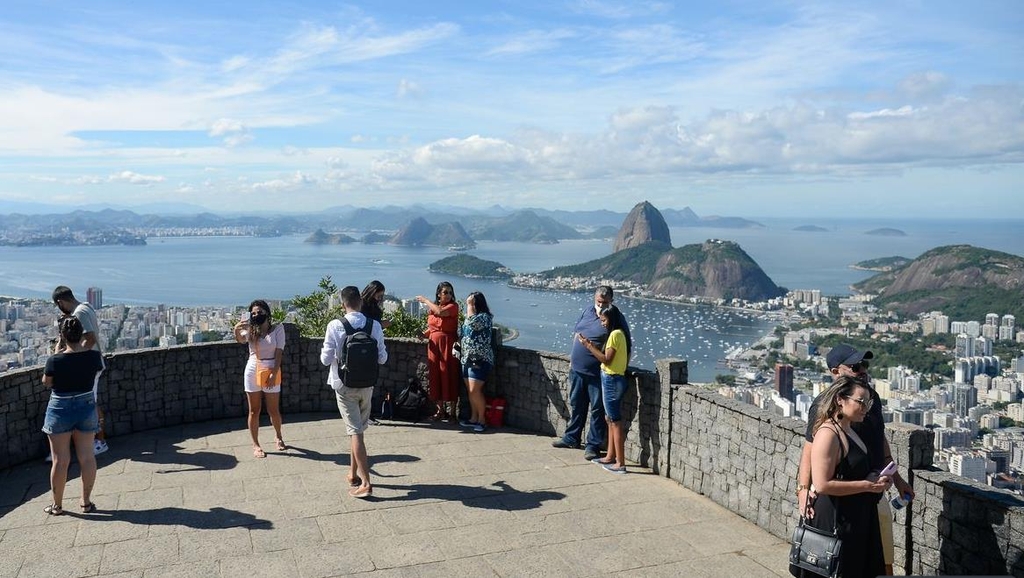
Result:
[[354, 482], [281, 446], [259, 453], [361, 492], [54, 510], [88, 508]]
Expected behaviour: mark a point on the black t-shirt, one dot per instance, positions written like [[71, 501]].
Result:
[[372, 310], [74, 372], [871, 430]]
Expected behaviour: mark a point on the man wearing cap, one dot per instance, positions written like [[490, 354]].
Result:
[[845, 360]]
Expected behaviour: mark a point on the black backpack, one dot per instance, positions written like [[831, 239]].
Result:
[[411, 402], [358, 366]]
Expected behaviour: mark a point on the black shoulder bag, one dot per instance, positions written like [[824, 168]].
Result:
[[815, 551]]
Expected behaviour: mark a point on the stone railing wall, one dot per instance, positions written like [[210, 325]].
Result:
[[737, 455]]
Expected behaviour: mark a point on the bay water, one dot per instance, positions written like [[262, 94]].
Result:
[[194, 271]]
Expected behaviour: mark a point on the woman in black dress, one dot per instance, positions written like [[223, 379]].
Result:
[[847, 490]]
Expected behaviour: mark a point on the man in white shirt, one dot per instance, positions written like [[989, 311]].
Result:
[[353, 402]]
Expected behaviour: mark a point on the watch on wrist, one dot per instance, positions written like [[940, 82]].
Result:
[[800, 488]]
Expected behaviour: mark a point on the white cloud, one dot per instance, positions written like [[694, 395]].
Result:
[[408, 88], [234, 133], [133, 178], [295, 181], [532, 41]]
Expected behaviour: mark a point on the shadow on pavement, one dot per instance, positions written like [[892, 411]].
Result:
[[214, 519], [504, 498]]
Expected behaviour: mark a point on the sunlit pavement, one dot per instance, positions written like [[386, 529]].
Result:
[[193, 501]]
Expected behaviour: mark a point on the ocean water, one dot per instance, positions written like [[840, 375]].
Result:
[[234, 270]]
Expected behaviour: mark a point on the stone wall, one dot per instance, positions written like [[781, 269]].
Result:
[[737, 455], [958, 526], [159, 387]]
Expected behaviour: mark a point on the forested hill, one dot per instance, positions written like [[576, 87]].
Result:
[[713, 270], [962, 281]]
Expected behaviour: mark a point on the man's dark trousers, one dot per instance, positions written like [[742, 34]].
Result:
[[584, 396]]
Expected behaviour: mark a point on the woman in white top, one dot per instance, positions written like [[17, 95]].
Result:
[[262, 377]]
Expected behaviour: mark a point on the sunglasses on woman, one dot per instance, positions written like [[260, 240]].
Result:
[[865, 403]]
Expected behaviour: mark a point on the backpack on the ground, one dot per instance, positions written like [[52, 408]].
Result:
[[410, 403], [358, 366]]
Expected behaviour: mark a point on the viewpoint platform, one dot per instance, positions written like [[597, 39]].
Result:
[[193, 501]]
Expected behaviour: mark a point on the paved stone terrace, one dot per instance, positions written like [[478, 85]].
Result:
[[192, 501]]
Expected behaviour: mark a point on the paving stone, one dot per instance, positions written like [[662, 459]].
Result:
[[140, 553]]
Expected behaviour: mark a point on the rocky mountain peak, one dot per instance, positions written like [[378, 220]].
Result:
[[643, 225]]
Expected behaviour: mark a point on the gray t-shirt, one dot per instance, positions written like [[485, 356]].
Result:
[[90, 323]]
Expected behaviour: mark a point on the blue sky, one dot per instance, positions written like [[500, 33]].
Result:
[[731, 108]]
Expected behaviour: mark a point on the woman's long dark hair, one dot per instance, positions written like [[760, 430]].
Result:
[[479, 302], [371, 290], [256, 331], [437, 292], [617, 321], [371, 307]]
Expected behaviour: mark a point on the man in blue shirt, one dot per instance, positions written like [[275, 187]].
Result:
[[585, 379]]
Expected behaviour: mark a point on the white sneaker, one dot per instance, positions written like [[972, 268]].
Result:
[[99, 447]]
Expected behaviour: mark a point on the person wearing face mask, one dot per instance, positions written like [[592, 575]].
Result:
[[585, 377], [844, 360], [262, 376], [442, 333]]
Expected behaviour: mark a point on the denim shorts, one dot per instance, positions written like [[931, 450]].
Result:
[[70, 413], [478, 372], [612, 389]]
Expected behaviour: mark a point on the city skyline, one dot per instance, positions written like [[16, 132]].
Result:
[[733, 109]]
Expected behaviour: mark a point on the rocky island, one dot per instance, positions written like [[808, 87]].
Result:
[[886, 232], [643, 257], [469, 266]]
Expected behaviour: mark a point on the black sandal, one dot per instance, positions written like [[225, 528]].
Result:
[[54, 510], [88, 508]]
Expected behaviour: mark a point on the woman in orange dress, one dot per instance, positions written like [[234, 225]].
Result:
[[442, 333]]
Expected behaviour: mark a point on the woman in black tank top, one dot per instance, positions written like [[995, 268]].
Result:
[[71, 413]]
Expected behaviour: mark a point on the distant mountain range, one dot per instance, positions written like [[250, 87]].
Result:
[[389, 218]]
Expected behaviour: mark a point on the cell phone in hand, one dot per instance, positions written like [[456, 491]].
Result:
[[888, 470]]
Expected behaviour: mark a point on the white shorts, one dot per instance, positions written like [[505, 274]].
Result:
[[249, 380]]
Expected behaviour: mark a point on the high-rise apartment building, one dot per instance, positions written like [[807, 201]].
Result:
[[992, 319], [941, 324], [968, 464], [964, 346], [964, 398], [973, 328], [982, 346], [784, 380], [94, 295]]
